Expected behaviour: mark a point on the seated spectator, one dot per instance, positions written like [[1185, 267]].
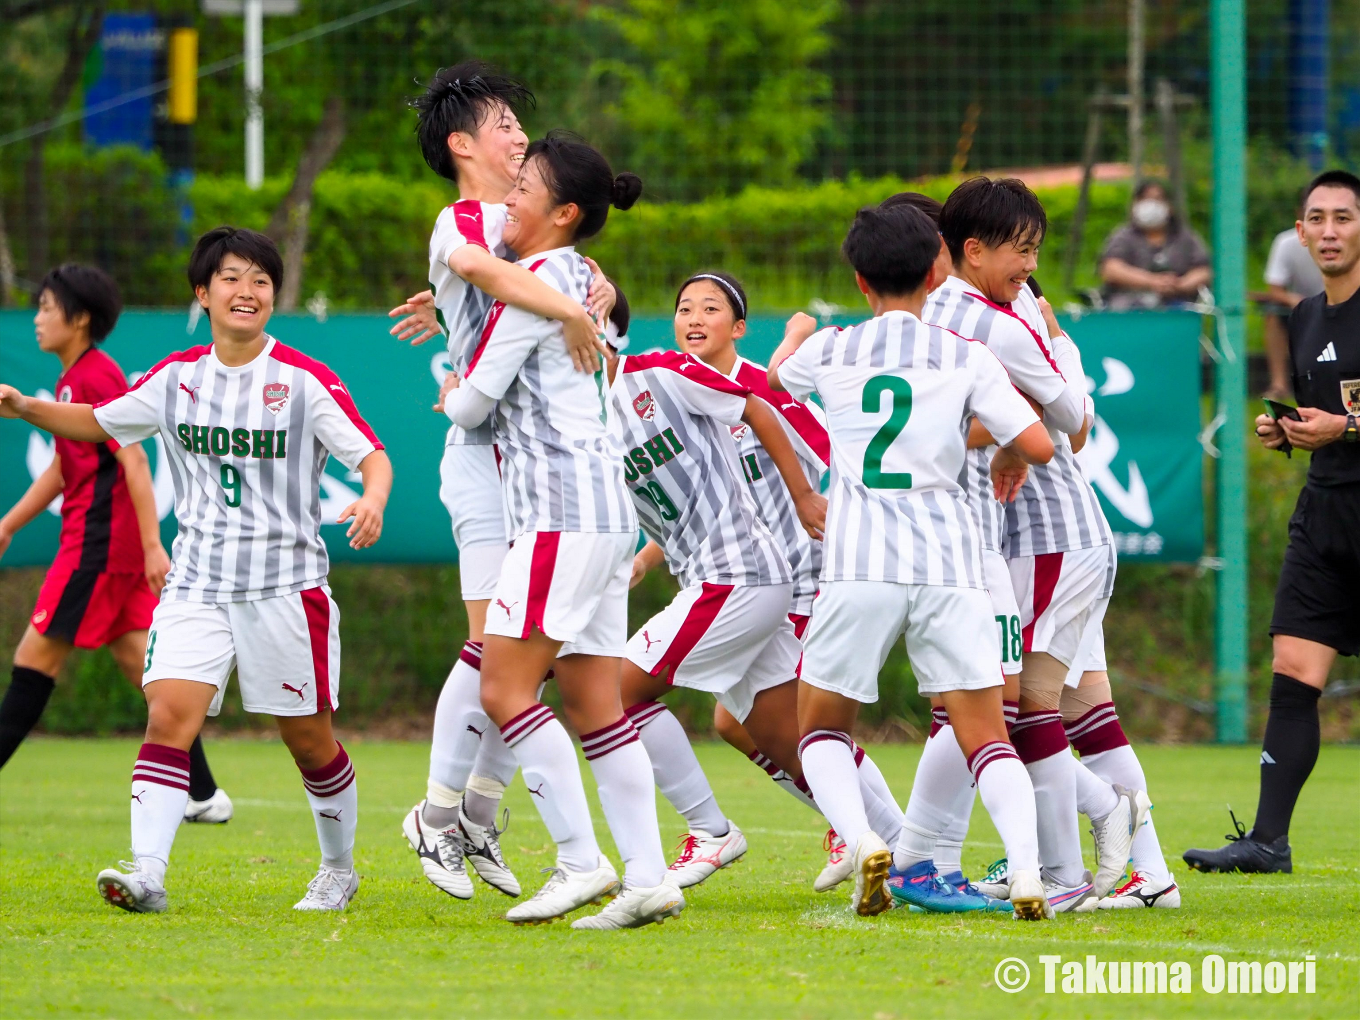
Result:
[[1153, 261], [1291, 276]]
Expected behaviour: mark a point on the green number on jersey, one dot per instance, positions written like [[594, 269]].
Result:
[[653, 491], [874, 475], [752, 467], [1012, 640], [150, 647], [231, 483]]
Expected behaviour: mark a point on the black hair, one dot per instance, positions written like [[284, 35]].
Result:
[[728, 285], [214, 246], [576, 172], [77, 288], [893, 248], [621, 314], [916, 200], [1147, 184], [992, 211], [457, 99], [1333, 179]]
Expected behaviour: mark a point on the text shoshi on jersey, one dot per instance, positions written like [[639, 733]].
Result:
[[653, 453], [217, 441]]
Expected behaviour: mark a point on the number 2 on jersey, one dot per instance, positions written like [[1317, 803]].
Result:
[[231, 485], [872, 403]]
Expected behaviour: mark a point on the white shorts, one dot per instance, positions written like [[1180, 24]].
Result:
[[731, 641], [571, 585], [470, 489], [854, 625], [286, 650], [1005, 610], [1062, 599]]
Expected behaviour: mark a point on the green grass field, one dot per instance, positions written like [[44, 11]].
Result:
[[754, 941]]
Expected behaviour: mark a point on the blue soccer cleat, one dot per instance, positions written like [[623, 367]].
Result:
[[960, 882], [921, 887]]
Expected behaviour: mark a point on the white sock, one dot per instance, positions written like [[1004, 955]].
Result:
[[1055, 806], [914, 845], [1120, 765], [553, 777], [160, 792], [1008, 796], [334, 797], [942, 777], [623, 773], [880, 806], [676, 770], [829, 768], [459, 728], [1095, 797]]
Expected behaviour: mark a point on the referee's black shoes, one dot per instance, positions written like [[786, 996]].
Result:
[[1243, 854]]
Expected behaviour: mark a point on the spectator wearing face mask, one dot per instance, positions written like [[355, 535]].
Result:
[[1153, 261]]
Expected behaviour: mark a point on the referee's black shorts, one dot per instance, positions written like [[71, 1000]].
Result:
[[1318, 597]]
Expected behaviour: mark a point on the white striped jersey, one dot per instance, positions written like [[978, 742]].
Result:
[[898, 395], [246, 447], [1057, 509], [462, 307], [805, 425], [963, 309], [675, 415], [561, 462]]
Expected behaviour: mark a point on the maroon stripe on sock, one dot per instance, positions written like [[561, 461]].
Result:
[[803, 787], [609, 738], [162, 765], [1038, 735], [331, 778], [819, 735], [526, 722], [996, 750], [858, 752], [1096, 731], [939, 719], [644, 712], [769, 767], [472, 654]]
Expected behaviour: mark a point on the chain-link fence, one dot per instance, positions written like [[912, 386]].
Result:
[[757, 127]]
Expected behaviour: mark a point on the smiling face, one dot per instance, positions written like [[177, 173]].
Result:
[[534, 222], [239, 299], [1330, 229], [706, 326], [495, 149], [1000, 271], [55, 332]]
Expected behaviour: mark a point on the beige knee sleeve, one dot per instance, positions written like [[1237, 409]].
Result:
[[1041, 683], [1077, 701]]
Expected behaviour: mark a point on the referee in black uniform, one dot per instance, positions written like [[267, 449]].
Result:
[[1317, 603]]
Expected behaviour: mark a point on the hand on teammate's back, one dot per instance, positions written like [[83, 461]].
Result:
[[421, 322], [1009, 472], [811, 509], [585, 342], [602, 297]]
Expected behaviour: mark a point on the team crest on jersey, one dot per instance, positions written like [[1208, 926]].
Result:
[[739, 431], [65, 395], [644, 405], [1350, 395], [275, 397]]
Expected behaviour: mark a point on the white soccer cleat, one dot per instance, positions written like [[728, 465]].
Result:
[[566, 891], [638, 907], [1072, 899], [329, 890], [701, 854], [215, 810], [440, 852], [1114, 835], [872, 861], [1143, 891], [840, 863], [133, 890], [482, 849], [1027, 897]]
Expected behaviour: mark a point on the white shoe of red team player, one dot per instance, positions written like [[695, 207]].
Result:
[[840, 863], [702, 854]]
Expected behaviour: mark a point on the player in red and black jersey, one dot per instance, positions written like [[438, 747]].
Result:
[[103, 584]]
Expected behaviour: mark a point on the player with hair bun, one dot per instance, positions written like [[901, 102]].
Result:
[[562, 598]]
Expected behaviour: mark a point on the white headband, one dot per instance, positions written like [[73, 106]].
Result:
[[741, 305]]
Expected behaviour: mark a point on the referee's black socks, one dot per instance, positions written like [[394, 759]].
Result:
[[22, 707], [1288, 754], [201, 783]]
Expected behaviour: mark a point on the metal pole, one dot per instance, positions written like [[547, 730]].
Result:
[[254, 74], [1229, 108], [1136, 90]]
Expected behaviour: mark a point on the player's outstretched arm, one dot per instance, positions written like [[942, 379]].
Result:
[[512, 284], [367, 510], [142, 492], [45, 488], [70, 421], [796, 331], [811, 505]]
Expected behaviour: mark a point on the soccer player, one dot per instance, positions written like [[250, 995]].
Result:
[[901, 544], [249, 424], [562, 597], [102, 586], [992, 231], [710, 318], [728, 631], [470, 134]]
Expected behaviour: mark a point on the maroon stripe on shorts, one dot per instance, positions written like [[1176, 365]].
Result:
[[541, 567], [317, 609], [697, 621], [1047, 570]]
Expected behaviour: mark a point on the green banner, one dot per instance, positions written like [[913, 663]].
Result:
[[1143, 456]]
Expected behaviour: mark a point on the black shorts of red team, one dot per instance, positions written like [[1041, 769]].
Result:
[[96, 590]]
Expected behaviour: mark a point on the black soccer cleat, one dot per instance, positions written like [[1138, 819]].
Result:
[[1244, 855]]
